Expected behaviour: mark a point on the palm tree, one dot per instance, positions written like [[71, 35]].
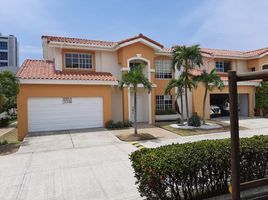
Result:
[[186, 58], [210, 81], [132, 79], [178, 85]]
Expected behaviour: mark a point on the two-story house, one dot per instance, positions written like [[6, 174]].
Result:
[[76, 84]]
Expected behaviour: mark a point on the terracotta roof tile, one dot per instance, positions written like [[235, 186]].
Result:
[[80, 41], [44, 69], [143, 37]]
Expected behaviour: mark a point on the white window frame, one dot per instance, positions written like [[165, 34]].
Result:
[[4, 50], [222, 66], [161, 104], [163, 68], [79, 60]]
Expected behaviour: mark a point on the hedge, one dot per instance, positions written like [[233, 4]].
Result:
[[196, 170]]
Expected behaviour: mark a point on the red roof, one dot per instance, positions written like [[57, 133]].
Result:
[[44, 69], [97, 42], [143, 37], [79, 41]]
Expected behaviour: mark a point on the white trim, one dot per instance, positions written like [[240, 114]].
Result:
[[124, 69], [139, 86], [245, 83], [67, 82], [138, 57], [139, 40], [129, 105], [152, 70], [150, 108], [80, 46]]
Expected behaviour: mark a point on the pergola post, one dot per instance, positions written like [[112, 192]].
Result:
[[234, 129]]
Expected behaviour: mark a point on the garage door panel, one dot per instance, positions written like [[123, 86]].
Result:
[[46, 114]]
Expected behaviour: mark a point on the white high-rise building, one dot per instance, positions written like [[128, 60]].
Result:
[[9, 53]]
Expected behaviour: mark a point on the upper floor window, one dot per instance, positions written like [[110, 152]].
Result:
[[163, 69], [3, 45], [223, 66], [3, 64], [3, 56], [78, 60], [253, 69]]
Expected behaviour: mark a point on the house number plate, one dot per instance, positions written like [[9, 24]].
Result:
[[67, 100]]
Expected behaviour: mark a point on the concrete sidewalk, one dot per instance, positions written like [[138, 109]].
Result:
[[212, 136]]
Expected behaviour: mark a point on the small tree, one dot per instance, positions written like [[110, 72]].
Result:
[[187, 58], [9, 88], [132, 79], [262, 98], [210, 81], [178, 84]]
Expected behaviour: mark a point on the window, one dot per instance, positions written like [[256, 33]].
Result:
[[3, 56], [3, 45], [163, 102], [3, 64], [163, 69], [265, 67], [78, 60], [222, 66], [253, 69]]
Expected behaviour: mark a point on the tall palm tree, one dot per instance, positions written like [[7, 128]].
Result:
[[132, 79], [210, 81], [178, 84], [186, 58]]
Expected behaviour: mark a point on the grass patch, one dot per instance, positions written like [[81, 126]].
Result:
[[12, 142], [133, 137], [185, 132]]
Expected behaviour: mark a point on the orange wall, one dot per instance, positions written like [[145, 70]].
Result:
[[132, 50], [198, 95], [257, 63], [59, 91]]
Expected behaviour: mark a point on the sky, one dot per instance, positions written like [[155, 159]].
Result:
[[223, 24]]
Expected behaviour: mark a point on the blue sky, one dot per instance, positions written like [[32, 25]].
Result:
[[227, 24]]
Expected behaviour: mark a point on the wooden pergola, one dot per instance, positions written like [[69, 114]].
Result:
[[233, 79]]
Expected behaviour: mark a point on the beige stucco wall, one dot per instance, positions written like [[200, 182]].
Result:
[[198, 95]]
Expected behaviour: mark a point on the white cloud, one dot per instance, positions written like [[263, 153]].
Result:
[[239, 24]]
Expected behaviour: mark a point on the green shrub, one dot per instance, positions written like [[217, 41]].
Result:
[[118, 125], [4, 122], [165, 112], [3, 142], [128, 123], [195, 121], [196, 170]]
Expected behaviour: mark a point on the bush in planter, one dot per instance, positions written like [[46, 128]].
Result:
[[118, 125], [165, 112], [196, 170], [128, 123], [195, 121]]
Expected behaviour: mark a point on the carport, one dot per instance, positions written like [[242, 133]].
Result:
[[222, 101]]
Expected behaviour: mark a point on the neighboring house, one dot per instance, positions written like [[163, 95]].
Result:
[[9, 53], [76, 85]]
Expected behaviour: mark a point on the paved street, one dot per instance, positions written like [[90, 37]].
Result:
[[71, 165]]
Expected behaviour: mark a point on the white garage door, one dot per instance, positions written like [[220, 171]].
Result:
[[58, 113]]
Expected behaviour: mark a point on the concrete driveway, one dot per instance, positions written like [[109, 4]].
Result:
[[89, 164]]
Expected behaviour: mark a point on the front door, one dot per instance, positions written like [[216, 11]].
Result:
[[140, 109]]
